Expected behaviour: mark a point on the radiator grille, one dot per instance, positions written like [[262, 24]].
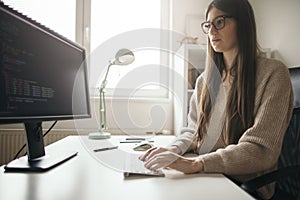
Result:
[[12, 140]]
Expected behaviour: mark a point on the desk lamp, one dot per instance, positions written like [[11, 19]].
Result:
[[123, 57]]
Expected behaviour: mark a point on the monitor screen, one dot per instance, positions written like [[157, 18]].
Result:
[[43, 75]]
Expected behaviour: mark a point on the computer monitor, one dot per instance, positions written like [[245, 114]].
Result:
[[43, 77]]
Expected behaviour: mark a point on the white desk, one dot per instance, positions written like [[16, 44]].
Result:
[[84, 178]]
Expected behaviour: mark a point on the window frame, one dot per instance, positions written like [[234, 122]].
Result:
[[83, 37]]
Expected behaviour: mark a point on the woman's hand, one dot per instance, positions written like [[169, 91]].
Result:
[[156, 150], [158, 157], [188, 165], [152, 152]]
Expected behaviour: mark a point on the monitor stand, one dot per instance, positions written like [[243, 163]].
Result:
[[36, 159]]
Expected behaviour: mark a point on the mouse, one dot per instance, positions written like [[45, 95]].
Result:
[[143, 147]]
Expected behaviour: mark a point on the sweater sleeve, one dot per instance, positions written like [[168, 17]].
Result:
[[259, 147]]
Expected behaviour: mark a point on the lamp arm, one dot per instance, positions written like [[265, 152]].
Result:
[[102, 111], [103, 84], [102, 107]]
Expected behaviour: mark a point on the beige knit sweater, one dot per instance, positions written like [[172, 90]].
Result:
[[259, 147]]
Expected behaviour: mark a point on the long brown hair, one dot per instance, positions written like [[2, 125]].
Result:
[[240, 101]]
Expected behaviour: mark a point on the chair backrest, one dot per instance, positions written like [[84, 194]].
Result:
[[295, 79], [290, 153]]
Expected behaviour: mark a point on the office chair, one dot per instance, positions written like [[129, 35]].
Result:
[[287, 177]]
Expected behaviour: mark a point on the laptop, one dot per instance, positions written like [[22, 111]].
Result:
[[134, 166], [125, 161]]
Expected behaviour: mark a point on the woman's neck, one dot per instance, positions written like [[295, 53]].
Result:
[[229, 59]]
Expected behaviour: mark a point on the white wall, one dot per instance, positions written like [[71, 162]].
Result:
[[279, 28]]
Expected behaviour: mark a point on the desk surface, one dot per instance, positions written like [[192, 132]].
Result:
[[84, 177]]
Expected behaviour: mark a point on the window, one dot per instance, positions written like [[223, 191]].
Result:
[[110, 21], [114, 17], [61, 19]]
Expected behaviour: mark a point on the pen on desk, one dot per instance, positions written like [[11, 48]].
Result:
[[134, 141], [135, 138], [131, 141], [105, 149]]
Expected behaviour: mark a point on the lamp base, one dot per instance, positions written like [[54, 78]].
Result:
[[99, 135]]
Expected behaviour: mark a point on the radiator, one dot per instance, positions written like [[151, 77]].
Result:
[[12, 140]]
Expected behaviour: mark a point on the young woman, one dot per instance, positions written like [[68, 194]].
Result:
[[241, 106]]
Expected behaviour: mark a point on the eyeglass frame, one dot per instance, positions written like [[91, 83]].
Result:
[[212, 23]]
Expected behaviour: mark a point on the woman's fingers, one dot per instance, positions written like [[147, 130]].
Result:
[[143, 157], [161, 160], [152, 152]]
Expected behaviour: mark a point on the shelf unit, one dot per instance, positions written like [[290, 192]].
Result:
[[189, 63]]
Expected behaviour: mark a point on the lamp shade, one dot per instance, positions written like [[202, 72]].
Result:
[[124, 57]]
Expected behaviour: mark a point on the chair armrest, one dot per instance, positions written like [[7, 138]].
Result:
[[253, 184]]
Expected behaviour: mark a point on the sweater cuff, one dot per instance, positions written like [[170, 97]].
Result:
[[212, 163], [181, 146]]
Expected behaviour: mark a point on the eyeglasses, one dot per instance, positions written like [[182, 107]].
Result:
[[218, 23]]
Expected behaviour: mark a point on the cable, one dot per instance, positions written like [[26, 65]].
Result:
[[17, 154]]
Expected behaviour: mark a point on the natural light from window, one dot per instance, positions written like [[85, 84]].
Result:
[[114, 17], [57, 15]]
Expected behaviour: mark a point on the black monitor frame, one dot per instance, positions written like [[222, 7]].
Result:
[[36, 159]]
